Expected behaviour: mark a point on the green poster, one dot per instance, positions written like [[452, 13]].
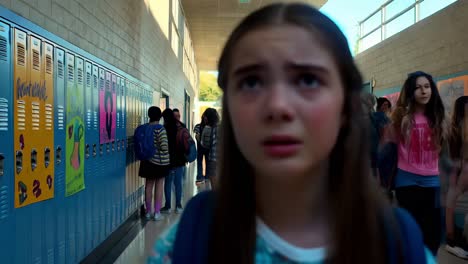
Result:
[[75, 132]]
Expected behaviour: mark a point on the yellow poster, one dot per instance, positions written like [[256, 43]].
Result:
[[33, 90]]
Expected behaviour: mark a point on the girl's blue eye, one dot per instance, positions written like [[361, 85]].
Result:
[[308, 81], [250, 83]]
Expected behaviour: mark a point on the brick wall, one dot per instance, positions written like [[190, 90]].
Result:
[[123, 33], [437, 44]]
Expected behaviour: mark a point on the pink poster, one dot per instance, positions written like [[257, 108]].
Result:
[[107, 109]]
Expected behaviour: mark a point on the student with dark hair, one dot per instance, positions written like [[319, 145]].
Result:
[[155, 169], [458, 182], [420, 131], [384, 105], [209, 141], [177, 170], [294, 182], [202, 153], [177, 116]]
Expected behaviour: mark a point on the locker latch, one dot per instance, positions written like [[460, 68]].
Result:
[[33, 159], [113, 146], [108, 148], [2, 161], [94, 150], [101, 149], [19, 161], [58, 155], [87, 151], [118, 144], [46, 157], [123, 144]]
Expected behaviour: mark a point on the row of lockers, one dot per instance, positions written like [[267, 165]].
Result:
[[68, 176]]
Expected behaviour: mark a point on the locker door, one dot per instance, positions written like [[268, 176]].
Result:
[[59, 138], [47, 110], [70, 183], [7, 220], [23, 193], [89, 173], [102, 161], [77, 157], [95, 157]]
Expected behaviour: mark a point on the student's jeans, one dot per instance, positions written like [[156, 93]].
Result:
[[175, 176], [201, 152]]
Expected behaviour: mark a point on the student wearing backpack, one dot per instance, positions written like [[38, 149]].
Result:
[[151, 147], [178, 162], [294, 183], [201, 151]]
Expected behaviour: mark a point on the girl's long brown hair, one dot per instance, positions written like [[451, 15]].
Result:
[[357, 207], [402, 117], [458, 132]]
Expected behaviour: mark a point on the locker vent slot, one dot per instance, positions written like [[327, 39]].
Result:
[[3, 114], [36, 61], [3, 49], [60, 69], [49, 110], [95, 81], [88, 79], [21, 54], [60, 117], [49, 64], [96, 120], [36, 110], [80, 76], [21, 115], [70, 73], [4, 202]]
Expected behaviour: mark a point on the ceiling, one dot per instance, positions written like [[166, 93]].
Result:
[[211, 21]]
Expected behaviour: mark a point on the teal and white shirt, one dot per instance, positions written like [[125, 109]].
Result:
[[270, 248]]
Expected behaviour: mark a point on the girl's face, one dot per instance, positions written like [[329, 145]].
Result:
[[423, 91], [285, 100], [385, 107]]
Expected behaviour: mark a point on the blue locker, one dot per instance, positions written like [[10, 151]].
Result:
[[7, 220], [59, 142], [94, 136], [49, 207], [119, 168], [89, 174], [70, 201], [79, 199], [101, 166]]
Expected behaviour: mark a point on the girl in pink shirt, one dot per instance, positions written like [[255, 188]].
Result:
[[419, 123]]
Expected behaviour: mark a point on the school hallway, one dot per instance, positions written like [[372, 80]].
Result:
[[137, 245]]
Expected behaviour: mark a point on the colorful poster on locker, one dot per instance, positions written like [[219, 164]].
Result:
[[107, 109], [75, 132], [33, 90]]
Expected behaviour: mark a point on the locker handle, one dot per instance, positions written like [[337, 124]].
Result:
[[19, 161], [113, 146], [87, 151], [108, 148], [58, 155], [33, 159], [46, 157], [118, 144], [94, 150], [101, 149], [123, 144], [2, 166]]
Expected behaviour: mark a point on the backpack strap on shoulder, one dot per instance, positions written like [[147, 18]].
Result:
[[193, 231], [410, 237]]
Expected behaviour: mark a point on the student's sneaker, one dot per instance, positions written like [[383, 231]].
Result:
[[457, 251], [148, 216], [157, 216], [179, 209], [165, 210], [198, 182]]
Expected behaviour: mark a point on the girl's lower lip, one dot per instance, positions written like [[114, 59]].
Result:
[[281, 150]]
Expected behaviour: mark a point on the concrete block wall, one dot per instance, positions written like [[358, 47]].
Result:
[[123, 33], [437, 44]]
